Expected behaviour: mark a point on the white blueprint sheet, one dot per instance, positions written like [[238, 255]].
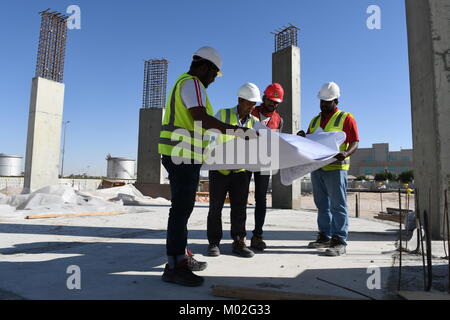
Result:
[[295, 156]]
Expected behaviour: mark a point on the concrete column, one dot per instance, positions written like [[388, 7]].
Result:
[[149, 171], [44, 134], [286, 71], [429, 60], [149, 161]]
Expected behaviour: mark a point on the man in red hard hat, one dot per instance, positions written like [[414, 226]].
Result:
[[267, 115]]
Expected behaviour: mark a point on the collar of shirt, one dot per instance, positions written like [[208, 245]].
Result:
[[241, 124], [261, 110]]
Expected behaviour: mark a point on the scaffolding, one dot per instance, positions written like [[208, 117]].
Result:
[[155, 83], [285, 37], [52, 46]]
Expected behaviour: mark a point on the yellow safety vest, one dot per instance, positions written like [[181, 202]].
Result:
[[179, 136], [336, 123], [231, 117]]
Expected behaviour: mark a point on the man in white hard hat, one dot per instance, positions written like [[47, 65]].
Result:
[[330, 182], [233, 182], [182, 155]]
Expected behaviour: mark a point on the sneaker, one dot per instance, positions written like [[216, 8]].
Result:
[[258, 243], [240, 248], [337, 247], [193, 264], [321, 242], [182, 275], [213, 250]]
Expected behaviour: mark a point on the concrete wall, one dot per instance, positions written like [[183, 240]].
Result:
[[286, 71], [11, 182], [429, 60], [78, 184], [149, 161], [44, 134], [82, 184]]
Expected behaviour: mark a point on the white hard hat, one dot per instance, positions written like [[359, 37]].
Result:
[[329, 92], [212, 55], [250, 92]]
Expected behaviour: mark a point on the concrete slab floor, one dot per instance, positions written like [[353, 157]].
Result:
[[123, 257]]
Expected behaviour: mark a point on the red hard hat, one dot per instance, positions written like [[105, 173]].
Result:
[[274, 92]]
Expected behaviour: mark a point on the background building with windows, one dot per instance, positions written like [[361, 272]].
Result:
[[370, 161]]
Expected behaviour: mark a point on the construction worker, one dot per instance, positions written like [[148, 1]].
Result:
[[234, 182], [188, 113], [330, 182], [268, 115]]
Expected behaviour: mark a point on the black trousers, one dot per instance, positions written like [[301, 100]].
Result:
[[236, 184], [184, 180], [261, 186]]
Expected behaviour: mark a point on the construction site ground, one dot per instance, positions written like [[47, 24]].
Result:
[[370, 203], [123, 257]]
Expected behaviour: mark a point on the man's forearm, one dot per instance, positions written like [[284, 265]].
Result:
[[209, 122], [353, 146]]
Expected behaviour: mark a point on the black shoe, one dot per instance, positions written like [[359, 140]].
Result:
[[193, 264], [240, 248], [182, 275], [337, 247], [321, 242], [213, 250], [258, 243]]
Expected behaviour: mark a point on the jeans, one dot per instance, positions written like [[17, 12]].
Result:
[[236, 185], [184, 179], [261, 185], [330, 197]]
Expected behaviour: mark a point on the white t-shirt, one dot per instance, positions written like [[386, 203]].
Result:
[[193, 94], [264, 120]]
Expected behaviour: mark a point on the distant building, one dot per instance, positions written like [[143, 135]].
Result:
[[370, 161]]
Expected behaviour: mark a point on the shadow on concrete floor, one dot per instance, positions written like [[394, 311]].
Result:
[[145, 233]]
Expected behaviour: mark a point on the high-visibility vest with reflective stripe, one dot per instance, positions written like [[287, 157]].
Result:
[[336, 123], [231, 117], [179, 136]]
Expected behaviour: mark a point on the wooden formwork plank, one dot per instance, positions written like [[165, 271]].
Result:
[[84, 214], [263, 294]]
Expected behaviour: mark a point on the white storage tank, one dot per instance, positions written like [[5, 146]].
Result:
[[10, 166], [120, 168]]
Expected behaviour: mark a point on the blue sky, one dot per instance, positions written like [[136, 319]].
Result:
[[105, 62]]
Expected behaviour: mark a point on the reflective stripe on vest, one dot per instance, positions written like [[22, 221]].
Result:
[[231, 117], [180, 136], [336, 123]]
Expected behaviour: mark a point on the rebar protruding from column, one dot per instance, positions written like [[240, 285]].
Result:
[[52, 46], [285, 37]]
